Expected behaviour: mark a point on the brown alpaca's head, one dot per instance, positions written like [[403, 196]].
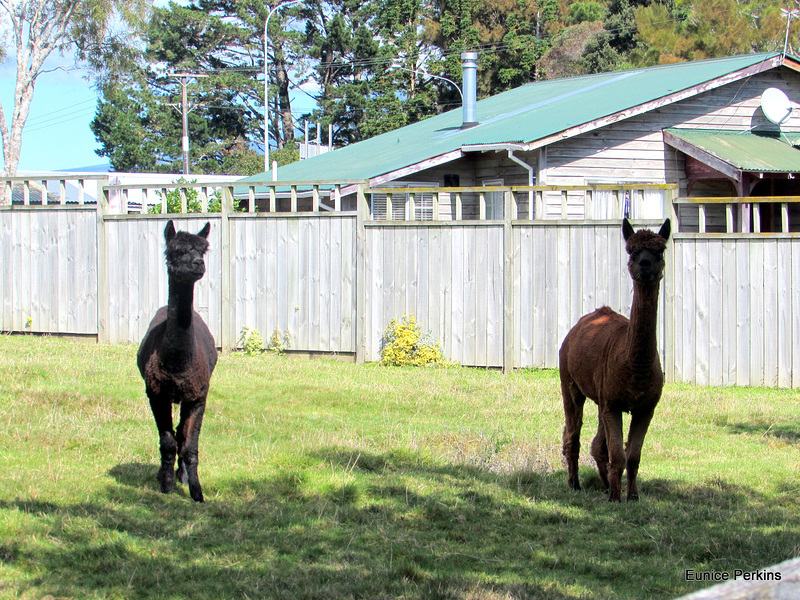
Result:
[[185, 253], [646, 250]]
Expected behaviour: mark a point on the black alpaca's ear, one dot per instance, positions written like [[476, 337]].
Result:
[[203, 233], [665, 230], [627, 229], [169, 232]]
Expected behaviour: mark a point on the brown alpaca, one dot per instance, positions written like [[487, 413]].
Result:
[[614, 361], [176, 359]]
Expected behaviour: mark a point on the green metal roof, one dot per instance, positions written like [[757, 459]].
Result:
[[745, 150], [523, 115]]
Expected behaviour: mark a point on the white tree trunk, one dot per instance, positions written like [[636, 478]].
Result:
[[38, 27]]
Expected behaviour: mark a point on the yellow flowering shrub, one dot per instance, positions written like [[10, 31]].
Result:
[[403, 344]]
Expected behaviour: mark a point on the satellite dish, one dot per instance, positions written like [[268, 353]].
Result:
[[776, 105]]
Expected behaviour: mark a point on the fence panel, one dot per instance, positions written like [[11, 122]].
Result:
[[49, 282], [449, 277], [563, 272], [296, 274], [136, 274], [733, 298], [737, 310]]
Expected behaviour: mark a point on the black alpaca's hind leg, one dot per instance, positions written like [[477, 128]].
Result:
[[189, 438], [168, 445]]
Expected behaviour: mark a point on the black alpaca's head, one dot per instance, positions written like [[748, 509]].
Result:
[[646, 250], [185, 253]]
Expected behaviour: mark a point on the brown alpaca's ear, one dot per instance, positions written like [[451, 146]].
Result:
[[665, 230], [203, 233], [627, 229], [169, 232]]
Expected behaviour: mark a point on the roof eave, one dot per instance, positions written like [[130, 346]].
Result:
[[791, 63], [501, 147], [428, 163]]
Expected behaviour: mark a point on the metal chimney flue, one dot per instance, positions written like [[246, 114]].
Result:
[[469, 65]]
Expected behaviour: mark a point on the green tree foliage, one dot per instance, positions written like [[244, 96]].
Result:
[[510, 35], [590, 10], [138, 124], [341, 39], [707, 29], [375, 65], [565, 57]]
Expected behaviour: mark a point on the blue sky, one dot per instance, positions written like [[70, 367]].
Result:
[[57, 135]]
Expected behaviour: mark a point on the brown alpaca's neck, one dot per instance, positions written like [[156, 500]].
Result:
[[642, 342]]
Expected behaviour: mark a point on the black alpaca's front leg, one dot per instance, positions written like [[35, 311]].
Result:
[[168, 445], [188, 446]]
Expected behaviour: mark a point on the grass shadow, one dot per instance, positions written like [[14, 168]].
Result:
[[355, 524], [785, 433], [136, 475]]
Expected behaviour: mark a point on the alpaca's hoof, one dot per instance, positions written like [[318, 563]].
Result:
[[574, 484], [633, 498], [196, 494]]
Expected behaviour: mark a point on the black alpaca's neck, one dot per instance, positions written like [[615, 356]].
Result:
[[642, 342], [177, 343]]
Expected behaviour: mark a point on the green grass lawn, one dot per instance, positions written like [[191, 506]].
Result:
[[331, 480]]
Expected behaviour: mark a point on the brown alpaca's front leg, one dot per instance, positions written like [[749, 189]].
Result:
[[616, 454], [189, 436], [600, 452], [168, 446], [633, 449], [571, 439]]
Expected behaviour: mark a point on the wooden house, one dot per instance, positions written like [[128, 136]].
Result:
[[699, 125]]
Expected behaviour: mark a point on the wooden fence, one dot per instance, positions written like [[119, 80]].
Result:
[[497, 293]]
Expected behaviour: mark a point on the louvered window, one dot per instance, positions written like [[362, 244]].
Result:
[[401, 206]]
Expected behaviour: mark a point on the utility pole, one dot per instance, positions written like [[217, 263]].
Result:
[[185, 109]]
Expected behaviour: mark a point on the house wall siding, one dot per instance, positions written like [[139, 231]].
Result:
[[633, 149]]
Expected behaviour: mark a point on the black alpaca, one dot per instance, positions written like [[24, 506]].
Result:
[[176, 359]]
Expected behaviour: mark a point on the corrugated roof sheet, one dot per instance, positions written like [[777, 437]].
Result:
[[522, 115], [747, 151]]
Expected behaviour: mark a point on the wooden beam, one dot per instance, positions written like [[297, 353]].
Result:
[[719, 165]]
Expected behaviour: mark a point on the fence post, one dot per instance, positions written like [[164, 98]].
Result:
[[361, 271], [228, 337], [102, 282], [670, 302], [508, 282]]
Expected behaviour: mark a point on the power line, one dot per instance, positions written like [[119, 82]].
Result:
[[60, 121], [50, 115]]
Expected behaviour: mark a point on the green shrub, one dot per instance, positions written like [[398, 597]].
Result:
[[251, 342], [278, 344], [193, 204], [403, 343]]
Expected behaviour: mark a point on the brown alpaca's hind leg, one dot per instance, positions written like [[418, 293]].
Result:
[[612, 421], [600, 452], [573, 421], [162, 412], [188, 439], [633, 449]]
